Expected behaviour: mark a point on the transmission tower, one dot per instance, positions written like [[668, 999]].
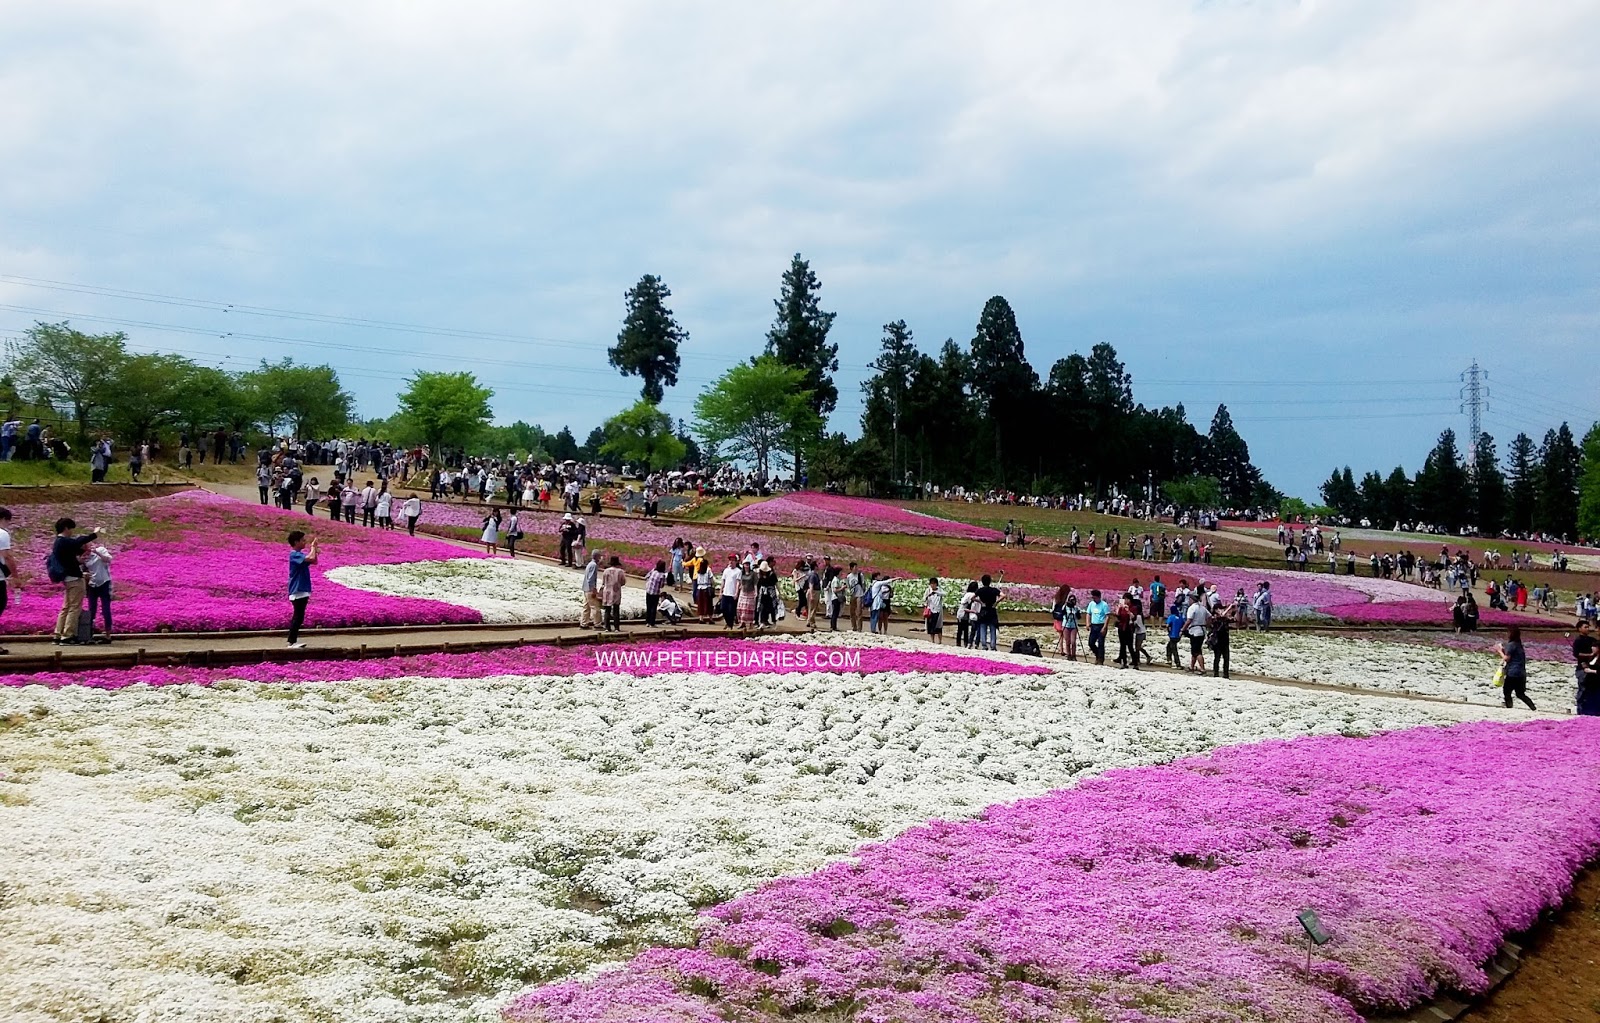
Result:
[[1474, 399]]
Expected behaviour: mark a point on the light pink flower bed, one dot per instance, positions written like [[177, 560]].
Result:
[[809, 509]]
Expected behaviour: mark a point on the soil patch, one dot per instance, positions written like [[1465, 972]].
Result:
[[1559, 979]]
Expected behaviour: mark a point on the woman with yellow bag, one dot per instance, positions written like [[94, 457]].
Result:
[[1513, 671]]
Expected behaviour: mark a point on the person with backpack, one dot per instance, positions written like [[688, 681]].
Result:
[[63, 566], [302, 555]]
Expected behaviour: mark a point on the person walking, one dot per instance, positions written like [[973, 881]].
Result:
[[412, 510], [933, 612], [313, 495], [99, 460], [1514, 667], [568, 535], [612, 581], [837, 591], [263, 480], [348, 497], [302, 555], [1174, 634], [966, 614], [590, 617], [1098, 611], [64, 566], [97, 568], [654, 580], [385, 507], [1070, 616], [1127, 655]]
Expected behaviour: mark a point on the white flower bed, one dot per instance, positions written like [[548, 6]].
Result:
[[419, 849], [1394, 667], [502, 589]]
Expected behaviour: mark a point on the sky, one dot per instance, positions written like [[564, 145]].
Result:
[[1318, 213]]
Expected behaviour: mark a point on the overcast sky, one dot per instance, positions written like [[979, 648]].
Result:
[[1317, 213]]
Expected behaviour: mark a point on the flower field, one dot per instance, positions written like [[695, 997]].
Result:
[[431, 838], [1159, 894], [203, 562], [499, 590], [809, 509]]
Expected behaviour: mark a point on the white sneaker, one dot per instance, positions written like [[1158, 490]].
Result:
[[297, 646]]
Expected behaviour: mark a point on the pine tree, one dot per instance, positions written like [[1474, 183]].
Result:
[[799, 335], [1556, 508], [1002, 380], [1589, 486], [1441, 490], [1228, 459], [1522, 476], [1488, 488], [887, 392], [647, 345]]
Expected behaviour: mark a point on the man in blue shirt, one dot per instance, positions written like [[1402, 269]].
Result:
[[1174, 632], [1098, 610], [302, 555]]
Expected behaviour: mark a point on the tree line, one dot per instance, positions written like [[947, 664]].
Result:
[[1552, 488], [975, 415]]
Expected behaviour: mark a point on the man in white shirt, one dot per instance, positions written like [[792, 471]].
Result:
[[1195, 623], [731, 577]]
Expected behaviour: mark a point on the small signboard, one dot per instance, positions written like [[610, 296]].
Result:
[[1314, 928]]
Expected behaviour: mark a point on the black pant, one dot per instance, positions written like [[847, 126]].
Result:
[[263, 492], [369, 516], [650, 602], [1219, 654], [1517, 687], [101, 596], [333, 508], [411, 524], [97, 476], [1172, 652], [833, 614], [297, 618], [311, 507], [1125, 650], [730, 607], [612, 617], [963, 631], [350, 514]]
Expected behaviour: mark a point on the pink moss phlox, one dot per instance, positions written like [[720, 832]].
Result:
[[700, 656], [1160, 894], [811, 509]]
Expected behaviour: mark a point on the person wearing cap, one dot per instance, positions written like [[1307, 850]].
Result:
[[568, 534], [704, 583], [589, 618]]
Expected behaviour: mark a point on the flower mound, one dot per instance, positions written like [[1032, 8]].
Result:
[[198, 561], [1159, 893], [697, 656], [812, 510]]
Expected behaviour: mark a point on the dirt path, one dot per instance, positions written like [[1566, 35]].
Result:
[[1559, 979]]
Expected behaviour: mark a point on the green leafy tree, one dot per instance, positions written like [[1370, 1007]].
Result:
[[150, 395], [521, 439], [1556, 508], [445, 408], [692, 455], [55, 365], [1589, 486], [647, 345], [799, 336], [1194, 492], [308, 401], [756, 409], [1522, 475], [1489, 495], [206, 399], [642, 435]]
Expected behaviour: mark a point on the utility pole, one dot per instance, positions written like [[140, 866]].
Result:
[[1474, 400]]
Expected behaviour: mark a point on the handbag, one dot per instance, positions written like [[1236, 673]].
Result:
[[1499, 677]]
